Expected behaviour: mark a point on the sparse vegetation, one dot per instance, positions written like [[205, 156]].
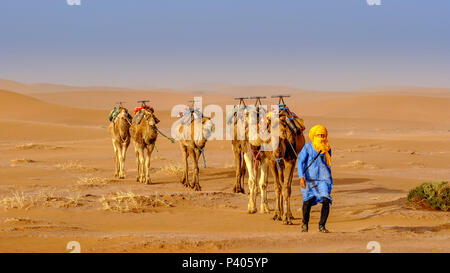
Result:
[[173, 169], [73, 165], [435, 195], [358, 164], [34, 146], [130, 202], [94, 181], [17, 200], [21, 161]]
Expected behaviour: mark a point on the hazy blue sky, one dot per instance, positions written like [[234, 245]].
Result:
[[320, 44]]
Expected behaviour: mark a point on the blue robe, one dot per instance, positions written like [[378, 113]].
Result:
[[318, 176]]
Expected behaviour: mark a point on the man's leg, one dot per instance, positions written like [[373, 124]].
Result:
[[324, 214], [306, 212]]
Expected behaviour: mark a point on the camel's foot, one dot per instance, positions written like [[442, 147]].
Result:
[[251, 209], [290, 216], [276, 216], [121, 176], [142, 180], [287, 220], [116, 175], [196, 187], [238, 189], [138, 179], [147, 181], [184, 181], [264, 208]]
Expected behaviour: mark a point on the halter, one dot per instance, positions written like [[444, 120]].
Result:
[[255, 157]]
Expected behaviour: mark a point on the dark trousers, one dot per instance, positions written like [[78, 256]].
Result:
[[323, 215]]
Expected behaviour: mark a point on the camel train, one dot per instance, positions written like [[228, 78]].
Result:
[[254, 154]]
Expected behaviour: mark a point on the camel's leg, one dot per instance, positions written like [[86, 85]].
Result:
[[263, 179], [116, 158], [251, 183], [123, 154], [136, 150], [141, 167], [243, 170], [196, 183], [280, 171], [148, 150], [185, 178], [277, 189], [286, 191], [237, 165]]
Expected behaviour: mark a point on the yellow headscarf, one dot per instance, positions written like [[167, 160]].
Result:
[[320, 144]]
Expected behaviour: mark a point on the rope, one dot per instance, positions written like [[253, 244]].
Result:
[[161, 133], [296, 156], [277, 160], [255, 159], [202, 153]]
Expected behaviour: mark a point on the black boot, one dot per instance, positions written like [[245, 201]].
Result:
[[324, 214], [306, 212]]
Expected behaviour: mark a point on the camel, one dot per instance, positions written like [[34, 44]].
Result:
[[119, 130], [192, 143], [250, 148], [239, 145], [144, 133], [282, 162]]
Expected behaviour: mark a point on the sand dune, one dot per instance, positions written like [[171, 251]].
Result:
[[392, 107], [15, 106]]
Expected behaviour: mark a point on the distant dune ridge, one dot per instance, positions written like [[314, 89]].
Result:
[[389, 109]]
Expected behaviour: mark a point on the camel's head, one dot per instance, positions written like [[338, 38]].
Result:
[[208, 127], [123, 113], [149, 117]]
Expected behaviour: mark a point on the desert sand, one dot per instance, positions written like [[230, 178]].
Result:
[[57, 183]]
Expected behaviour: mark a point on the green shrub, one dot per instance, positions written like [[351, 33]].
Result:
[[435, 195]]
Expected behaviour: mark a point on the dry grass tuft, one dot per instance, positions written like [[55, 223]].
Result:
[[21, 161], [94, 181], [358, 164], [173, 169], [17, 200], [34, 146], [129, 202], [73, 165]]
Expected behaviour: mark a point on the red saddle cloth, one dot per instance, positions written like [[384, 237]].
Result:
[[139, 108], [137, 119]]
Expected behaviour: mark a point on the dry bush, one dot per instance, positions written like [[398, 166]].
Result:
[[94, 181], [73, 165], [173, 169], [130, 202], [17, 200], [71, 202], [358, 164], [34, 146], [21, 161]]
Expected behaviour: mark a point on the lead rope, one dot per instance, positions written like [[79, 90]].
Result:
[[277, 160], [202, 153], [296, 156], [161, 133]]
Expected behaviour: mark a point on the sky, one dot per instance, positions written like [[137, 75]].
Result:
[[312, 44]]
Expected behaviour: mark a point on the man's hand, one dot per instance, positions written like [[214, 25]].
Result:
[[303, 183]]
